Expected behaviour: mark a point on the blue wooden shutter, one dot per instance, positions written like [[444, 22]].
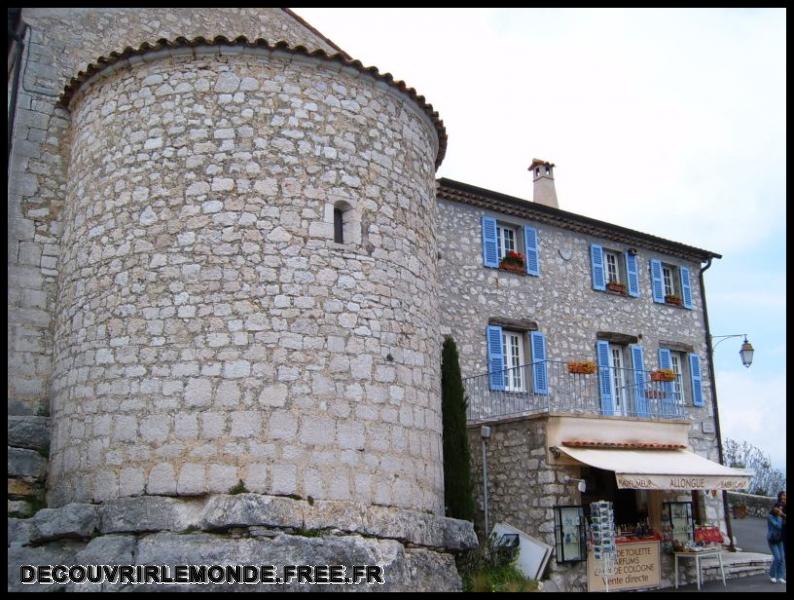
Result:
[[490, 254], [597, 264], [657, 284], [604, 378], [640, 401], [668, 402], [540, 380], [694, 371], [533, 256], [496, 361], [686, 289], [632, 275]]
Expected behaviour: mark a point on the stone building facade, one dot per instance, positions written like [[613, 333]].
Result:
[[182, 310], [524, 482]]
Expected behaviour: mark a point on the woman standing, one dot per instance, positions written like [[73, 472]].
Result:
[[774, 538]]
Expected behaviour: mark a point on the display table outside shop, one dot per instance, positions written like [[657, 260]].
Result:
[[697, 555]]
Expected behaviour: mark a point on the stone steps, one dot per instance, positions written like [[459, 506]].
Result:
[[737, 566]]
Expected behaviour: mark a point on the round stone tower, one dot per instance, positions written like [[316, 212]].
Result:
[[215, 325], [245, 326]]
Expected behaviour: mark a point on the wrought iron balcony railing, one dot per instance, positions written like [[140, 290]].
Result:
[[548, 386]]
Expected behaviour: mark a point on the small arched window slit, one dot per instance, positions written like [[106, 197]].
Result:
[[339, 235]]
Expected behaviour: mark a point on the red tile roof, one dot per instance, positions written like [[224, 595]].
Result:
[[181, 42]]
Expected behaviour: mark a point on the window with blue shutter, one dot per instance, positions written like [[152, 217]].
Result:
[[668, 400], [694, 371], [597, 267], [640, 401], [496, 362], [632, 274], [686, 289], [604, 378], [657, 284], [533, 256], [490, 253], [540, 380]]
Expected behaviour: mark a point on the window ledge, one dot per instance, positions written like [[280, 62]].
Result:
[[673, 305], [619, 294]]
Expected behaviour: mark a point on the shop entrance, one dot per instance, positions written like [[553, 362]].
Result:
[[630, 506]]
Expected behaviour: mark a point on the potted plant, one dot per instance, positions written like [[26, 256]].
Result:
[[617, 287], [663, 375], [513, 261], [582, 368], [673, 299]]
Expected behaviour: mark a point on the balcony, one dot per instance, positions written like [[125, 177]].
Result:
[[513, 392]]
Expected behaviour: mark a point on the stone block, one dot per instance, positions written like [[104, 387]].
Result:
[[54, 553], [20, 487], [191, 479], [19, 531], [20, 508], [150, 513], [222, 478], [162, 480], [412, 570], [70, 521], [23, 462], [244, 510], [106, 550]]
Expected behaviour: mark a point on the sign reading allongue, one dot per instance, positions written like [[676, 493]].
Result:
[[681, 482]]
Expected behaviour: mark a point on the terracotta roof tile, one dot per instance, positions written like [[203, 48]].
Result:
[[181, 42]]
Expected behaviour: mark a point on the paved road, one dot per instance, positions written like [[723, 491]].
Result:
[[750, 534]]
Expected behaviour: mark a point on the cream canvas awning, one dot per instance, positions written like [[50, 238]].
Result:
[[661, 469]]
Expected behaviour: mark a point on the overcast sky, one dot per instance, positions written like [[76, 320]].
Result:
[[668, 121]]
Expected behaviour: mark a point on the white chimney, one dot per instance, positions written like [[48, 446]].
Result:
[[543, 180]]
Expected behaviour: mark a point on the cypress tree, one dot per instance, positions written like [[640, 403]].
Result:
[[458, 498]]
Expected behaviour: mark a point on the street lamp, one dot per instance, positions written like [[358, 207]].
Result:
[[746, 351]]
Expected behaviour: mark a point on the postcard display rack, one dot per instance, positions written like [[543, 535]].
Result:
[[602, 530]]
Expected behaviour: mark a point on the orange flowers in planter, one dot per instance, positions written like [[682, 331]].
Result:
[[673, 299], [663, 375], [582, 368], [614, 286]]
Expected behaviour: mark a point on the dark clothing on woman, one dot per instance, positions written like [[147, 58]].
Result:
[[774, 537], [782, 508]]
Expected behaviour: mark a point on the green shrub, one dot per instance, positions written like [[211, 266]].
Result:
[[458, 498], [491, 568]]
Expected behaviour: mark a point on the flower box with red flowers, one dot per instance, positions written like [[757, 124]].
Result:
[[673, 299], [581, 368], [618, 288], [663, 375], [513, 262]]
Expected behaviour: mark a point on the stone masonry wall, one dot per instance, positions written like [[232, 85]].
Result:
[[757, 506], [59, 43], [209, 330], [564, 305], [412, 548], [523, 487]]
